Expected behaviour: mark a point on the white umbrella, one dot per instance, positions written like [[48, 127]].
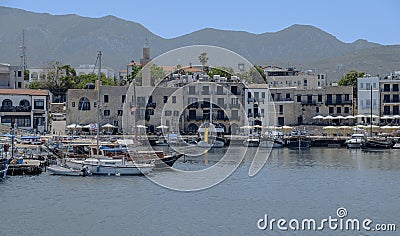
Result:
[[247, 127], [328, 117], [396, 116], [350, 117], [108, 125], [339, 117], [318, 117], [162, 127], [329, 127], [359, 116], [74, 126], [142, 126], [86, 126], [386, 117]]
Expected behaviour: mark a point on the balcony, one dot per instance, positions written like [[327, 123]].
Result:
[[194, 105], [205, 105], [331, 102], [15, 109], [391, 101], [232, 105], [309, 102], [196, 118]]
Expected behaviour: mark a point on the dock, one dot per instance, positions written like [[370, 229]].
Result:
[[27, 167]]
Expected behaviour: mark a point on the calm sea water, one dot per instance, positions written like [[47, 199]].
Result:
[[293, 184]]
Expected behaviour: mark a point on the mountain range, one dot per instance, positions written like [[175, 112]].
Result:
[[75, 40]]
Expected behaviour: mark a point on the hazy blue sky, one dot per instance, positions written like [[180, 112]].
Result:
[[348, 20]]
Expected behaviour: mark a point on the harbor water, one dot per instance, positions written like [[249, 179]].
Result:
[[293, 184]]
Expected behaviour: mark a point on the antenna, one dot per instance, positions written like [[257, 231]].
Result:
[[23, 49]]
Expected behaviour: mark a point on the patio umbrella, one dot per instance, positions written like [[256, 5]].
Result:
[[349, 117], [108, 125], [318, 117], [74, 126], [142, 126], [329, 117], [162, 127]]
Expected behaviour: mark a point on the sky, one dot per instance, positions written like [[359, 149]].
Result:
[[376, 21]]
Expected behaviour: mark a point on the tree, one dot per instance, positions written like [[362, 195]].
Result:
[[203, 59], [222, 71], [350, 79], [92, 79], [157, 72], [254, 75]]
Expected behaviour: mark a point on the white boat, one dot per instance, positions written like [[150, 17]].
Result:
[[272, 140], [252, 141], [355, 141], [396, 146], [111, 166], [60, 170]]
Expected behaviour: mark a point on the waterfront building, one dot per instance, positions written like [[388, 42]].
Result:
[[389, 95], [11, 77], [27, 108], [367, 101], [291, 77]]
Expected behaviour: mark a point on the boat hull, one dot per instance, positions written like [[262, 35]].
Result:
[[299, 144], [58, 170]]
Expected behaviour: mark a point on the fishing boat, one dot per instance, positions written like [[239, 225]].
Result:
[[272, 140], [67, 171], [3, 168], [298, 140], [355, 141], [375, 144]]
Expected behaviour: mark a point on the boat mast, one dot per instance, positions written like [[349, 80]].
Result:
[[371, 114], [98, 105]]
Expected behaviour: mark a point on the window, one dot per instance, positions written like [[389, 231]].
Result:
[[123, 98], [331, 110], [38, 104], [234, 114], [19, 84], [119, 113], [319, 97], [234, 90], [84, 104], [338, 98], [220, 90], [106, 112], [150, 112], [374, 85], [192, 90], [368, 86], [24, 103], [221, 102], [386, 110], [395, 98], [347, 97], [7, 103], [361, 85], [173, 99], [168, 113], [329, 98], [176, 113], [317, 109], [305, 83], [386, 87], [338, 110], [281, 109], [73, 104], [206, 90], [105, 98], [288, 97], [395, 110], [386, 98], [298, 98], [19, 73], [256, 95], [346, 110], [165, 99], [395, 87], [263, 94]]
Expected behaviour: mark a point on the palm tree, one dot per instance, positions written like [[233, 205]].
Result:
[[203, 59]]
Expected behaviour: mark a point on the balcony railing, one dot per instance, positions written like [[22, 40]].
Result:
[[308, 102], [342, 102], [283, 100], [15, 109], [391, 100]]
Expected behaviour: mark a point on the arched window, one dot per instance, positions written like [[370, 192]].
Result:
[[24, 103], [84, 104], [7, 103]]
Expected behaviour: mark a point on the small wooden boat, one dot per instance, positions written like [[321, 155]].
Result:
[[60, 170]]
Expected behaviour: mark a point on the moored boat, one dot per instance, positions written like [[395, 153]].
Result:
[[374, 144], [61, 170], [355, 141]]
